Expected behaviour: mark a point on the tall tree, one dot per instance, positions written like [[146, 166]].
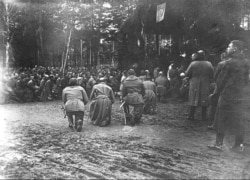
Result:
[[8, 13]]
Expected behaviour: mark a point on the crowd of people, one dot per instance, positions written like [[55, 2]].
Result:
[[46, 83], [224, 90], [219, 89]]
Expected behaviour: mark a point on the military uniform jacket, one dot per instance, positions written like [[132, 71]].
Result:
[[133, 90]]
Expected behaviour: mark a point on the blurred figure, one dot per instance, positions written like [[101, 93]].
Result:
[[148, 74], [162, 85], [113, 83], [59, 85], [5, 92], [200, 72], [150, 99], [156, 72], [34, 88], [124, 76], [184, 89], [46, 88], [91, 82], [173, 76], [142, 76]]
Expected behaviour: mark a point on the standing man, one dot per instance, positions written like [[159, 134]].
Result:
[[103, 97], [156, 72], [200, 73], [214, 101], [232, 95], [133, 92], [150, 99], [91, 82], [162, 85], [74, 98]]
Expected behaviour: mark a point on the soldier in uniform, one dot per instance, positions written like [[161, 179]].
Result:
[[133, 92], [150, 99], [74, 98]]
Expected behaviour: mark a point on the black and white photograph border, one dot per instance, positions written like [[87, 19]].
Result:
[[162, 87]]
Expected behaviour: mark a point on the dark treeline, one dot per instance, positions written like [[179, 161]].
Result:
[[89, 33]]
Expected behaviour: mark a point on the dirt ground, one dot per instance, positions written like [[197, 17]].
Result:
[[35, 142]]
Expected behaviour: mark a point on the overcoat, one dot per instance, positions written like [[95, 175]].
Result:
[[200, 74], [233, 95], [102, 97]]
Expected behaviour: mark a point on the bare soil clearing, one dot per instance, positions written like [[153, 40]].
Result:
[[35, 142]]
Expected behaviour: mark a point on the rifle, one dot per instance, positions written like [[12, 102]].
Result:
[[70, 123], [64, 111]]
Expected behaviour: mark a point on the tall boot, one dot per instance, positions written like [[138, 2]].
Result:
[[219, 139], [218, 143], [204, 113], [70, 120], [192, 111]]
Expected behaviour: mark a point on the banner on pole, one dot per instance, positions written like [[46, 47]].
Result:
[[160, 12]]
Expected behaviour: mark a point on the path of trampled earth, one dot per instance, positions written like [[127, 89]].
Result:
[[35, 142]]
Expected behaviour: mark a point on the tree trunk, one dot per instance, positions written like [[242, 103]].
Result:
[[75, 54], [7, 35], [62, 64], [157, 43], [145, 47], [90, 53], [98, 59], [40, 32], [67, 50]]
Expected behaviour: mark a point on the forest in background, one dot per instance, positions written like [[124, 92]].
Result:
[[118, 32]]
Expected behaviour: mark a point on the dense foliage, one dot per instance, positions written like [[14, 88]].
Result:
[[88, 32], [50, 32], [188, 25]]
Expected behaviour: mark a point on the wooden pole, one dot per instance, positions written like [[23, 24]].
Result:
[[81, 52], [8, 33]]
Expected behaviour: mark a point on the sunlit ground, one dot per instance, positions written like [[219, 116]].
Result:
[[7, 143], [4, 136]]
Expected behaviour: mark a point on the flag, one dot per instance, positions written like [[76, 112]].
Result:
[[160, 12]]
